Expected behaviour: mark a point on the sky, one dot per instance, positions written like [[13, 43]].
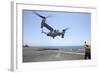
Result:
[[79, 25]]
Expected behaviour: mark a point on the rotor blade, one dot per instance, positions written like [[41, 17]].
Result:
[[48, 16], [39, 15], [65, 29]]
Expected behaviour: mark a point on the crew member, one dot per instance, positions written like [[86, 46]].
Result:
[[87, 51]]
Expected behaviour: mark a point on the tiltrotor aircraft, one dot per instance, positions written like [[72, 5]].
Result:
[[52, 32]]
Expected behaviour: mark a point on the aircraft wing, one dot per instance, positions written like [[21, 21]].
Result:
[[48, 27]]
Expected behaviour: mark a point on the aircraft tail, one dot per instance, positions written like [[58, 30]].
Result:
[[63, 32]]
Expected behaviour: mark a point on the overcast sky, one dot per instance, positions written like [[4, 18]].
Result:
[[79, 25]]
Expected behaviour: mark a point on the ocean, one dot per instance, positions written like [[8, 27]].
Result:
[[63, 48]]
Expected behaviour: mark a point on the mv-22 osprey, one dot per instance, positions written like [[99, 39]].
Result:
[[52, 32]]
